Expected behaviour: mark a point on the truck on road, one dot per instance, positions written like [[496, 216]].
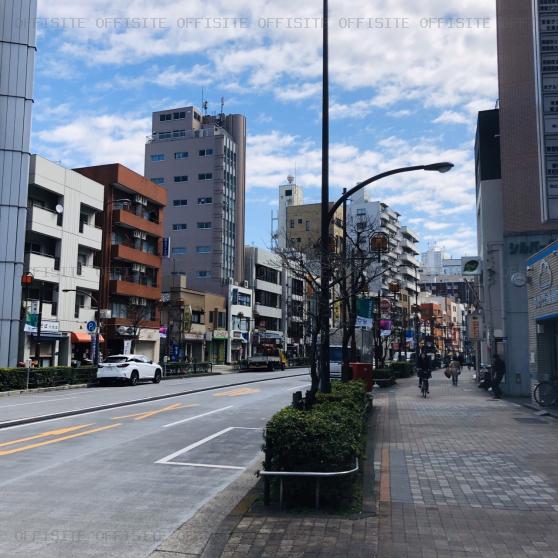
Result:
[[267, 358]]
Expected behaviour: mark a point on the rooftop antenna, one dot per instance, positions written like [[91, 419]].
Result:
[[204, 104], [222, 104]]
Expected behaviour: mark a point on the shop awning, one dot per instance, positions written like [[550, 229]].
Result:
[[80, 337]]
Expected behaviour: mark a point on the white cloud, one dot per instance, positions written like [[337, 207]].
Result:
[[451, 117]]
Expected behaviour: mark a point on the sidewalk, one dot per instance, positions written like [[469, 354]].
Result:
[[463, 475], [458, 475]]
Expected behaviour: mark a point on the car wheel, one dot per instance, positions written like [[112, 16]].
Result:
[[157, 377], [134, 378]]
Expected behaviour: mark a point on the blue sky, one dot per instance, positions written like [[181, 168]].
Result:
[[406, 83]]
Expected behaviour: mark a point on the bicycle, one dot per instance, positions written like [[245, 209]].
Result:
[[424, 387], [546, 393]]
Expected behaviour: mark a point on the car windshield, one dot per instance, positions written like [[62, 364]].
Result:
[[115, 359]]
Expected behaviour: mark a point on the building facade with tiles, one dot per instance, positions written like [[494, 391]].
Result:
[[542, 287]]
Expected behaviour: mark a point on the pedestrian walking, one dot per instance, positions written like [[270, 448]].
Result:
[[498, 373], [454, 368]]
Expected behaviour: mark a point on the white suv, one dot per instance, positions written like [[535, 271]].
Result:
[[132, 368]]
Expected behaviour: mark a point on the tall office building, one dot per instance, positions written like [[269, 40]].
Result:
[[517, 208], [289, 194], [17, 56], [201, 162]]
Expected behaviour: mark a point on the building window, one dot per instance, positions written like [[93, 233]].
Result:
[[181, 155], [307, 225], [179, 133], [292, 224], [181, 179], [197, 116], [165, 117], [158, 157], [204, 225], [204, 274], [178, 115], [205, 152], [267, 274], [361, 211], [288, 192], [179, 227], [203, 249], [179, 203], [205, 176], [158, 180], [178, 251], [204, 201], [164, 135], [300, 221], [297, 287]]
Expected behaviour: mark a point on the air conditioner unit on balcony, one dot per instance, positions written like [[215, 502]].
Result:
[[140, 199], [140, 234], [138, 267]]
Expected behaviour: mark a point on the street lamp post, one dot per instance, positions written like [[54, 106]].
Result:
[[98, 325], [327, 213]]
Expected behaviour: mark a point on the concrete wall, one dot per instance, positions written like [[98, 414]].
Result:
[[17, 60]]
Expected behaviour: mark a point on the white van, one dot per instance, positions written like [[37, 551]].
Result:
[[336, 361]]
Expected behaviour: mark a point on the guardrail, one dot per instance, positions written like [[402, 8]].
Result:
[[178, 369], [317, 475]]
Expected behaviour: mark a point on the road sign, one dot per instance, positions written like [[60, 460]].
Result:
[[91, 326]]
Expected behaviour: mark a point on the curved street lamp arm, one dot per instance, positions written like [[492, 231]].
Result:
[[80, 291], [361, 185]]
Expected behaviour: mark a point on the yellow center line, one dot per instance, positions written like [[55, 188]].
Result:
[[58, 432], [236, 392], [55, 441], [147, 414]]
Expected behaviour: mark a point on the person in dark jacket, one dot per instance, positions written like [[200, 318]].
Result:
[[498, 373], [424, 368]]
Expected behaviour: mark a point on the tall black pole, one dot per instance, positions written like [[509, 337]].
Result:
[[325, 384]]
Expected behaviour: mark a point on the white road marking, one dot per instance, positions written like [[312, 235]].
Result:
[[194, 445], [38, 402], [168, 460], [206, 465], [197, 417]]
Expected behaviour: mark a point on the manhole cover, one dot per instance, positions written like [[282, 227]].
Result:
[[530, 419]]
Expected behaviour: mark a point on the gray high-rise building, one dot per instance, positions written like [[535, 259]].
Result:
[[201, 161], [17, 61]]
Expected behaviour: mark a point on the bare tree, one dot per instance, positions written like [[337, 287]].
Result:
[[351, 274], [138, 315]]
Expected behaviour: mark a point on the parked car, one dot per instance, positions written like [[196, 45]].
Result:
[[130, 368]]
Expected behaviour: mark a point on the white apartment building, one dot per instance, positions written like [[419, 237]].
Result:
[[400, 264], [279, 300], [60, 246], [240, 302]]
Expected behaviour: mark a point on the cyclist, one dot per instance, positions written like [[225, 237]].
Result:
[[424, 370]]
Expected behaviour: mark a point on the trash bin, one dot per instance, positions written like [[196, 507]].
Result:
[[363, 371]]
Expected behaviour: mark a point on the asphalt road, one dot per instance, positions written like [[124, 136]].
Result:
[[43, 404], [116, 483]]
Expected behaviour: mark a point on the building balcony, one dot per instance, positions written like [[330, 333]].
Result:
[[88, 277], [133, 221], [406, 243], [130, 254], [267, 311], [130, 288], [44, 221], [407, 270], [406, 257], [43, 267], [90, 236]]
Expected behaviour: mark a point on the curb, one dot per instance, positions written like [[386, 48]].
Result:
[[75, 412]]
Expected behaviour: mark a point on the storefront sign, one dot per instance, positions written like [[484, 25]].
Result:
[[127, 347], [194, 336], [546, 299], [220, 334], [46, 325]]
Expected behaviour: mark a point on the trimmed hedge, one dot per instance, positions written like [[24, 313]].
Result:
[[325, 438], [16, 378], [186, 368], [402, 369]]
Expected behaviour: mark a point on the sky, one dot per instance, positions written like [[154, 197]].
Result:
[[407, 81]]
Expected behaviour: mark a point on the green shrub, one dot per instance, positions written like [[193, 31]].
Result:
[[383, 374], [16, 378], [325, 438], [402, 369]]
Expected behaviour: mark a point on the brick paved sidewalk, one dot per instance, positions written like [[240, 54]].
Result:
[[463, 475]]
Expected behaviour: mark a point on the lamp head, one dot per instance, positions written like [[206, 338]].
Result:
[[439, 167]]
